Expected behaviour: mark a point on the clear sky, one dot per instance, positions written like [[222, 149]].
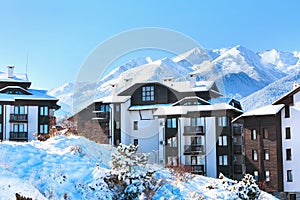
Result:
[[58, 35]]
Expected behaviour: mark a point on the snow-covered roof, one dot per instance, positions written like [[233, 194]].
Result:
[[34, 95], [185, 99], [183, 110], [148, 107], [266, 110], [113, 99], [200, 86], [290, 93], [184, 86], [18, 77]]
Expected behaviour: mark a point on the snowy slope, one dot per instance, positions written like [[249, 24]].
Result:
[[270, 93], [74, 167]]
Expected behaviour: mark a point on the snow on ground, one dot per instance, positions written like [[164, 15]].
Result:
[[74, 167]]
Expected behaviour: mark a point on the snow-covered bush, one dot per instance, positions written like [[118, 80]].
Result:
[[129, 176], [182, 173], [196, 196], [247, 188]]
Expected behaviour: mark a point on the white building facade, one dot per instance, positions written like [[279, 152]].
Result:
[[290, 116], [24, 113], [177, 124]]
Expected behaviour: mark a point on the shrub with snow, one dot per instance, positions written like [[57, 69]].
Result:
[[247, 188], [129, 176]]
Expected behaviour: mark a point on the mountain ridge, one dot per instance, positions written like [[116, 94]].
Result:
[[238, 69]]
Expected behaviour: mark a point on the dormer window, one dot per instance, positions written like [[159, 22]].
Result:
[[148, 93]]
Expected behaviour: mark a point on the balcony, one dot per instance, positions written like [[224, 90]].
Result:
[[193, 130], [196, 169], [18, 136], [18, 118], [237, 130], [237, 149], [238, 169], [193, 149]]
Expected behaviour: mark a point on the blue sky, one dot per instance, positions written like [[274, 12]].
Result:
[[58, 35]]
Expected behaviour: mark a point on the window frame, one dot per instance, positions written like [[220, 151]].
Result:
[[135, 125], [289, 175], [267, 154], [254, 155], [148, 93], [253, 134], [288, 154], [288, 134]]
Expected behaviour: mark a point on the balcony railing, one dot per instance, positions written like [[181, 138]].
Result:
[[238, 169], [18, 135], [237, 149], [193, 130], [196, 169], [18, 117], [237, 130], [194, 149]]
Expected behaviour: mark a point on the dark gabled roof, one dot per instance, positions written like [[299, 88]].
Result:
[[287, 97], [177, 87]]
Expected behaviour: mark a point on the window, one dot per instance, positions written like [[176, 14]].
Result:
[[117, 124], [1, 109], [254, 155], [44, 111], [288, 133], [117, 108], [194, 160], [287, 111], [135, 142], [255, 173], [289, 174], [19, 110], [44, 128], [196, 141], [288, 154], [135, 125], [19, 128], [104, 108], [253, 134], [267, 175], [148, 93], [172, 142], [197, 121], [0, 128], [222, 140], [265, 133], [267, 154], [222, 121], [171, 123], [223, 160]]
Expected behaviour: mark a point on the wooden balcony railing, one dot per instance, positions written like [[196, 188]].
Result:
[[193, 130], [19, 117]]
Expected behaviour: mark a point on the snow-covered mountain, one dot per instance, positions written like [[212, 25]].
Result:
[[288, 62], [238, 71], [270, 93]]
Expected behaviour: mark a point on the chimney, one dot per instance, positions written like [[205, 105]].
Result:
[[192, 77], [295, 85], [113, 89], [168, 79], [127, 81], [10, 71]]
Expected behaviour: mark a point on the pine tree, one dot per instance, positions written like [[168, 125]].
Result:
[[129, 172]]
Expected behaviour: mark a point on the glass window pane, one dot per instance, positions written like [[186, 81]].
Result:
[[224, 140], [22, 110], [225, 160], [174, 122], [220, 160], [220, 141]]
